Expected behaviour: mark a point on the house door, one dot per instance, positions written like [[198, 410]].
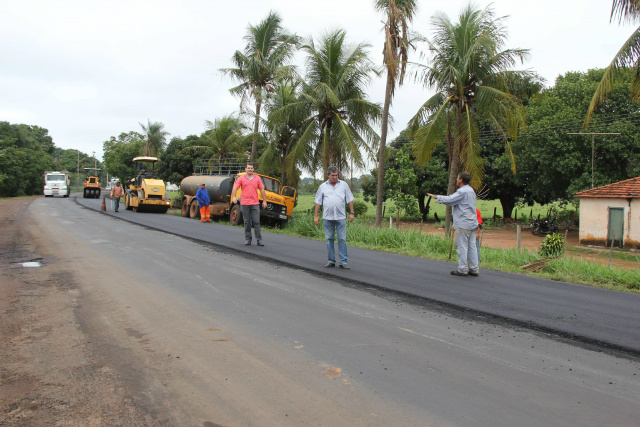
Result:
[[616, 227]]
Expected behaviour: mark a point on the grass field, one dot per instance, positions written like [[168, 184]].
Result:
[[488, 208]]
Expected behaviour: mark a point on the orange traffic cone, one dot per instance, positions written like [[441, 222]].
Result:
[[104, 206]]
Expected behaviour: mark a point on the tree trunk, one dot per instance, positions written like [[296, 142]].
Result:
[[454, 167], [424, 207], [383, 143], [508, 203], [256, 124]]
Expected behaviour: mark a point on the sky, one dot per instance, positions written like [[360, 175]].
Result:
[[90, 69]]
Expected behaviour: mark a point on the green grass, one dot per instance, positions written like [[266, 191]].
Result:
[[487, 208], [362, 234]]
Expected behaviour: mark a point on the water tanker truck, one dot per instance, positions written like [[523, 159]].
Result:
[[219, 178]]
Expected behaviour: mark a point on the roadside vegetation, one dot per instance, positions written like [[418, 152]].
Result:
[[362, 233]]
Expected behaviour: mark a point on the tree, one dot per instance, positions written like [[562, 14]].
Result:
[[470, 73], [401, 181], [225, 137], [553, 165], [395, 54], [119, 153], [500, 182], [26, 152], [334, 94], [284, 130], [156, 138], [628, 57], [176, 162], [431, 176], [263, 61]]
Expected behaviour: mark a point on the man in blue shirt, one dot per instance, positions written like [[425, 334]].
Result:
[[465, 224], [202, 195], [333, 195]]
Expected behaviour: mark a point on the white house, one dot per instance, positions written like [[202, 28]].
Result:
[[611, 212]]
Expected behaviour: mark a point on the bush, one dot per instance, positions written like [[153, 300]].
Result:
[[552, 245], [359, 207]]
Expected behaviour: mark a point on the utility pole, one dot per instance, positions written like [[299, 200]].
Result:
[[593, 146]]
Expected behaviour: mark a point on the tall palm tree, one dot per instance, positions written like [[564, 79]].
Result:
[[470, 73], [285, 130], [334, 94], [627, 57], [263, 60], [395, 54], [155, 138]]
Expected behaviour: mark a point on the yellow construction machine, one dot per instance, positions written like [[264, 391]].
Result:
[[145, 192], [91, 183]]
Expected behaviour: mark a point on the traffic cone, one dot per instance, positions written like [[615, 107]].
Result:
[[104, 206]]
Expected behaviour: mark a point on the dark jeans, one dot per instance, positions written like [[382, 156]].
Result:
[[116, 203], [251, 213]]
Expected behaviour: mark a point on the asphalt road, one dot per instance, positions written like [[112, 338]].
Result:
[[590, 315], [212, 336]]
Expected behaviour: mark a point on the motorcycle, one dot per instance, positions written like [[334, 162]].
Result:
[[539, 228]]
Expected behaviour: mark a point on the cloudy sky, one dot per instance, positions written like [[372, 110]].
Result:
[[89, 69]]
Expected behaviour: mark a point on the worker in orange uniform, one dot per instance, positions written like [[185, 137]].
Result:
[[202, 195]]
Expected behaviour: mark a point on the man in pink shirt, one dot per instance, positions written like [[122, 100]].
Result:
[[249, 202]]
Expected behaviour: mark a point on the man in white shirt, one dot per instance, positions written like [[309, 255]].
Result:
[[333, 195], [465, 223]]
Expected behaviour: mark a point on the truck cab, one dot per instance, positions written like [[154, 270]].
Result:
[[56, 184]]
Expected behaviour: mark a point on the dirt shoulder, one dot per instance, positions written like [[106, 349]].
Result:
[[51, 373]]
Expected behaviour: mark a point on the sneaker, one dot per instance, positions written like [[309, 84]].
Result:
[[330, 264], [457, 273], [260, 243], [345, 266], [247, 243], [474, 273]]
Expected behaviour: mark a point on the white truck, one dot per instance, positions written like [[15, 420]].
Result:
[[56, 184]]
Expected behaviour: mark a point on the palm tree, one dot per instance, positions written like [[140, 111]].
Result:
[[334, 94], [224, 138], [395, 53], [263, 60], [470, 74], [156, 138], [285, 130], [627, 57]]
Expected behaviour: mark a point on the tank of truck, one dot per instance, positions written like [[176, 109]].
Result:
[[218, 187]]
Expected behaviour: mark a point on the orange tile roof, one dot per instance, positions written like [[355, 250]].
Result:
[[627, 189]]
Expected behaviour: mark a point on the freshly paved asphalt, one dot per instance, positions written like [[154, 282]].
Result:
[[592, 315]]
